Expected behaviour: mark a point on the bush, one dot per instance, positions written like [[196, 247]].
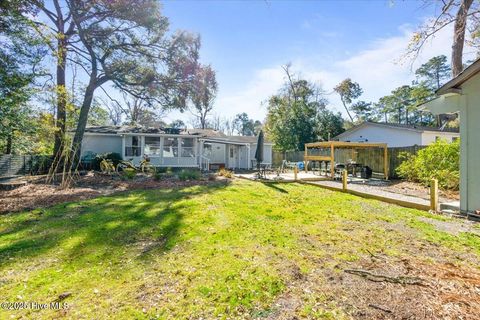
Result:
[[115, 157], [129, 173], [189, 174], [164, 170], [226, 173], [163, 175], [440, 160]]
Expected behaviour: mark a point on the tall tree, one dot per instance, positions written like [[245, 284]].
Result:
[[204, 91], [126, 43], [297, 115], [20, 52], [435, 71], [348, 91], [244, 125], [464, 15]]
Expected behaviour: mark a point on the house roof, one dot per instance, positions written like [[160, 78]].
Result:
[[207, 133], [397, 126], [454, 84]]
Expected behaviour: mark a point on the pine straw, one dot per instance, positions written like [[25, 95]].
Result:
[[38, 194]]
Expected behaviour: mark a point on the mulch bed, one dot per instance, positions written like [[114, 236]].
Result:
[[38, 194]]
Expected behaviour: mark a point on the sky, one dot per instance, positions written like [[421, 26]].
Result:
[[247, 42]]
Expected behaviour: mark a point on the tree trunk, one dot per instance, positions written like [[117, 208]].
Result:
[[459, 37], [82, 123], [61, 91], [8, 147], [346, 109]]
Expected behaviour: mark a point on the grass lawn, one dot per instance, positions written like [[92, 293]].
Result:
[[238, 250]]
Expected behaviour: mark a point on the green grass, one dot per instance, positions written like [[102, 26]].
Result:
[[217, 251]]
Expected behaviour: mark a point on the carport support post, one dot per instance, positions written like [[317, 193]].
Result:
[[295, 171], [344, 179], [434, 195]]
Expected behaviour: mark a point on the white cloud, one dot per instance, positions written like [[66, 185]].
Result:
[[378, 69]]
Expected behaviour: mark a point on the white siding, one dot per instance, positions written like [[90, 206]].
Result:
[[267, 152], [101, 144], [392, 136], [429, 137]]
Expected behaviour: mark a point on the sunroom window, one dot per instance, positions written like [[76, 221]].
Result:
[[152, 146], [132, 146], [170, 147], [187, 147]]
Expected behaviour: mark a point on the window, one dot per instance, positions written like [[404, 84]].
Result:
[[152, 146], [207, 149], [187, 147], [132, 146], [231, 152], [170, 147]]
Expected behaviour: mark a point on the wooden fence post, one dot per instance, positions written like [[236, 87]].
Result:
[[344, 179], [434, 195], [295, 172]]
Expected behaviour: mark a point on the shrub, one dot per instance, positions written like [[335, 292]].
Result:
[[189, 174], [226, 173], [163, 175], [115, 157], [440, 160], [129, 173], [164, 170]]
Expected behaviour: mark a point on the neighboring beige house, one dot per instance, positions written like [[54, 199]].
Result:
[[396, 135], [462, 94]]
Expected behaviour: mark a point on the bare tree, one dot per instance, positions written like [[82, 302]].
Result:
[[204, 91], [464, 14]]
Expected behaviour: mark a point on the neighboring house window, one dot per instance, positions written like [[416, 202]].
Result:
[[187, 145], [170, 147], [152, 146], [132, 146]]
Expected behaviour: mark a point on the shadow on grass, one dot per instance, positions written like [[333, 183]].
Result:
[[138, 220], [274, 186]]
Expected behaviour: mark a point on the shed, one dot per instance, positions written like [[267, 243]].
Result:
[[462, 94]]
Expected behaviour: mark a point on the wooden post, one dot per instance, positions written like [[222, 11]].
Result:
[[305, 162], [434, 195], [344, 179], [385, 162], [332, 163], [295, 171]]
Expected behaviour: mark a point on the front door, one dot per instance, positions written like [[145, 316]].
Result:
[[232, 156]]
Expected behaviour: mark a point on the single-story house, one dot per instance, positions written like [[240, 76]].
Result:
[[166, 147], [462, 94], [396, 135]]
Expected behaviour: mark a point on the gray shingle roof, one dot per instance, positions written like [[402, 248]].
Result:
[[397, 126], [208, 133]]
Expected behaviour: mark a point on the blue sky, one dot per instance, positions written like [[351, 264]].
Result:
[[246, 42]]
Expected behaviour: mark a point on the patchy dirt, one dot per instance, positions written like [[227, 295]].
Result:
[[453, 227], [381, 287], [418, 190], [38, 194]]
